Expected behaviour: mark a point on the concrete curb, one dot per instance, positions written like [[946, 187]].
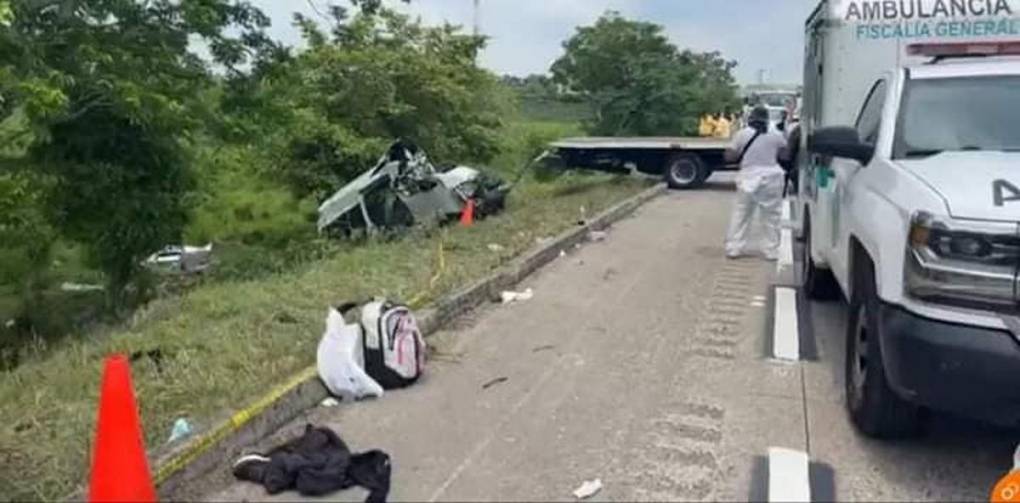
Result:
[[176, 468]]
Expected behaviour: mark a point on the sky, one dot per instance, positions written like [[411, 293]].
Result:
[[765, 37]]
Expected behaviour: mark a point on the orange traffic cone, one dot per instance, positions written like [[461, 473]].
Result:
[[120, 471], [467, 217]]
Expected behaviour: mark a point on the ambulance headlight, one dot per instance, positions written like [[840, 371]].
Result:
[[968, 264]]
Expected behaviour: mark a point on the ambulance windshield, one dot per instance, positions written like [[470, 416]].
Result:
[[959, 114]]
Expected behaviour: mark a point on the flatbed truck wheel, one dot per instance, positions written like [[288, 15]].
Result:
[[685, 172]]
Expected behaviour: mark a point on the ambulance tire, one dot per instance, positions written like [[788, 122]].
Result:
[[685, 172], [875, 409]]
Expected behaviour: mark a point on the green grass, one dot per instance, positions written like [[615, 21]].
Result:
[[221, 343]]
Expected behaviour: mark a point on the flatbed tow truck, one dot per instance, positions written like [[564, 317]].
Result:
[[683, 162]]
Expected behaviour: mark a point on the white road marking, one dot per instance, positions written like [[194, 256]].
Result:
[[785, 339], [788, 475], [786, 248], [784, 264]]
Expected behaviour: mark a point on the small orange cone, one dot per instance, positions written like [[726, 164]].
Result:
[[120, 471], [467, 217]]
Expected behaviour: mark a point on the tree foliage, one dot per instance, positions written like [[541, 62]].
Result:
[[107, 88], [330, 110], [119, 135], [639, 82]]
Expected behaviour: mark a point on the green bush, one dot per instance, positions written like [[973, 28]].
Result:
[[237, 204]]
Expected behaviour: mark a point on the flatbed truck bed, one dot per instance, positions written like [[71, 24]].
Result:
[[684, 162]]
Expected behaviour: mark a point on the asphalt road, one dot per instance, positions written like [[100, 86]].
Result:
[[642, 361], [956, 460]]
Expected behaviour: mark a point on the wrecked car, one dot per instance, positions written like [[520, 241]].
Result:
[[404, 189], [180, 259]]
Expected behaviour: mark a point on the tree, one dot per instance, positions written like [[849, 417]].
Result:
[[329, 111], [25, 234], [639, 82], [107, 87]]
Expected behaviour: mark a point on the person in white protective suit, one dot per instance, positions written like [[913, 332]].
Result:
[[758, 149]]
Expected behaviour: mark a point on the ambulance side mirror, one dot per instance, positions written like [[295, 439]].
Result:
[[840, 141]]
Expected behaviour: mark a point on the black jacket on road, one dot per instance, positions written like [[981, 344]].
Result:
[[318, 463]]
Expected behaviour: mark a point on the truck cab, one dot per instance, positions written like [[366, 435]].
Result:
[[912, 213]]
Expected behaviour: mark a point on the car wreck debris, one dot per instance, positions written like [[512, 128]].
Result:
[[404, 189]]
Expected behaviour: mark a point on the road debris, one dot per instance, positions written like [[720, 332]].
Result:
[[498, 380], [317, 463], [547, 347], [563, 253], [181, 429], [329, 403], [339, 358], [588, 489], [597, 236], [511, 297]]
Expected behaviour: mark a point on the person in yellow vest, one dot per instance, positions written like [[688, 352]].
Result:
[[706, 126], [723, 127]]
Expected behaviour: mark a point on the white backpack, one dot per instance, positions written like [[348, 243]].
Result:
[[340, 360], [394, 346]]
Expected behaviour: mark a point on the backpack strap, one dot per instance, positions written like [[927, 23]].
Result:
[[347, 307], [748, 146]]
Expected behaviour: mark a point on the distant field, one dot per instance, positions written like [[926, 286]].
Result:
[[549, 110]]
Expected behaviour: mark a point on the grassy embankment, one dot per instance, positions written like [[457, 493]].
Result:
[[220, 344]]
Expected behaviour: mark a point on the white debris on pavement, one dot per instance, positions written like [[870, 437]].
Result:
[[588, 489], [329, 402], [510, 297], [597, 236]]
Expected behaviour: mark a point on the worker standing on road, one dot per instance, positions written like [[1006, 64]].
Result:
[[758, 150]]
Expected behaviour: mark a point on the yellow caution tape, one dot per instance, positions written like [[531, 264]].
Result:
[[417, 300], [243, 417]]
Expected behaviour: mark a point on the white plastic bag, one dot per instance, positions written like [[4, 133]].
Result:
[[340, 361]]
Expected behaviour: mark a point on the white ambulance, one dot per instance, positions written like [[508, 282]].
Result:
[[909, 203]]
